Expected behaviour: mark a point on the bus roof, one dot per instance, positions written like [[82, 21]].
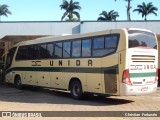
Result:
[[70, 37]]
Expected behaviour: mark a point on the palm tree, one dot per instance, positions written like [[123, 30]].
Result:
[[146, 9], [128, 9], [112, 15], [4, 11], [72, 20], [70, 8]]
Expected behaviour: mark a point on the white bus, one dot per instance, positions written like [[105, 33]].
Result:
[[158, 39], [110, 62]]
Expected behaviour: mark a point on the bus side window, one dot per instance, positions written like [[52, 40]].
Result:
[[50, 48], [86, 48], [43, 51], [58, 50], [111, 42], [105, 45], [67, 49], [20, 54], [98, 43], [33, 52], [76, 48], [98, 46]]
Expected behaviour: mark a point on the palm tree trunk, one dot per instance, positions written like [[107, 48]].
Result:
[[145, 18], [128, 10], [70, 16]]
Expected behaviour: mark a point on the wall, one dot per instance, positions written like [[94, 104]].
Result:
[[31, 29], [93, 26], [38, 28], [58, 28]]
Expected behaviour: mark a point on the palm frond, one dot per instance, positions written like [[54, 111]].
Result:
[[146, 9], [111, 15], [4, 10], [70, 8], [77, 14], [101, 18], [64, 15]]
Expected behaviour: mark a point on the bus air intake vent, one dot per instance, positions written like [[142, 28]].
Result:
[[143, 58]]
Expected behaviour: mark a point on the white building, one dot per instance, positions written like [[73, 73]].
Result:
[[12, 32]]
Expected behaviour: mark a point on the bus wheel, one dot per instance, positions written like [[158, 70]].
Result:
[[76, 90], [17, 83]]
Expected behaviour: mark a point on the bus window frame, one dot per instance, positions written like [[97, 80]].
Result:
[[77, 39], [85, 39], [70, 56], [118, 39], [139, 31]]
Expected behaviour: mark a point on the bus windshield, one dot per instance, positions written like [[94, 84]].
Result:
[[9, 58], [141, 39]]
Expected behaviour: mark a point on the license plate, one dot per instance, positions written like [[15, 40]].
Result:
[[144, 88]]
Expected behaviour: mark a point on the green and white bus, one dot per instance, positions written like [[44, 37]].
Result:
[[111, 62]]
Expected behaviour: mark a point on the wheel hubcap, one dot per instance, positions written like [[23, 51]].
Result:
[[76, 90], [18, 82]]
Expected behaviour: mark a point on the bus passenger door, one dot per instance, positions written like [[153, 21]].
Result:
[[9, 65], [8, 75]]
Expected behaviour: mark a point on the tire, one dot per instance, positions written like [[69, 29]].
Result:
[[76, 90], [18, 83]]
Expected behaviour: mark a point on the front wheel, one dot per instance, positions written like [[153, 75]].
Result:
[[17, 83], [76, 90]]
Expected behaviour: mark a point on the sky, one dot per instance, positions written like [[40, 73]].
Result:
[[49, 10]]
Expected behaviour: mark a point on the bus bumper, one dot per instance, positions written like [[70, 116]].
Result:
[[126, 90]]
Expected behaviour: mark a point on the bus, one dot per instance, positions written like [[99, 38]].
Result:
[[118, 62], [158, 40]]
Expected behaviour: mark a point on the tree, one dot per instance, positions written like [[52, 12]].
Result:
[[112, 15], [72, 20], [70, 10], [146, 9], [128, 9], [4, 11]]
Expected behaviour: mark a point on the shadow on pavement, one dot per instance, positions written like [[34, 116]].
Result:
[[39, 95]]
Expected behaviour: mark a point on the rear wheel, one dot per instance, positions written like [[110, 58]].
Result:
[[17, 83], [76, 90]]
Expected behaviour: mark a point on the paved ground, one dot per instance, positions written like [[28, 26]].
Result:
[[31, 99]]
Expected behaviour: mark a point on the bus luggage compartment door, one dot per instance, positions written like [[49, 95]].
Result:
[[110, 78]]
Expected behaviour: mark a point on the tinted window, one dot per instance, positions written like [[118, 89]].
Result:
[[76, 48], [98, 42], [22, 53], [141, 38], [33, 52], [50, 48], [66, 49], [30, 54], [105, 45], [58, 50], [111, 42], [86, 48], [43, 51]]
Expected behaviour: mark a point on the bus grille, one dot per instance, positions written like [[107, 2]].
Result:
[[143, 58]]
